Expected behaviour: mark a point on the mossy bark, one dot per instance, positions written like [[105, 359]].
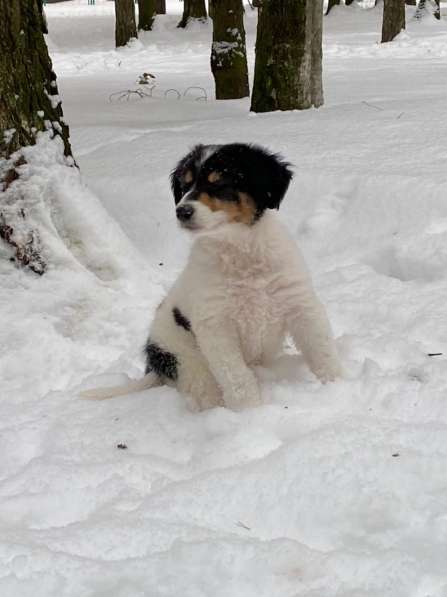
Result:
[[228, 52], [29, 105], [393, 19], [146, 14], [160, 7], [288, 68], [125, 25], [29, 100], [192, 9]]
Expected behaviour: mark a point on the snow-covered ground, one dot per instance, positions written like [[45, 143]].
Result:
[[324, 491]]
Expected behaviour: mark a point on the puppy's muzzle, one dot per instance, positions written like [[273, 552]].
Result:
[[185, 213]]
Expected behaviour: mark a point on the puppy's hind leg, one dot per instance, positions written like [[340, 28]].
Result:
[[197, 383], [150, 380]]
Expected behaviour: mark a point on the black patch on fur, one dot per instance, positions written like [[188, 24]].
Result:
[[164, 363], [181, 320]]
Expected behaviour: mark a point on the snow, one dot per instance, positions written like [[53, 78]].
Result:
[[324, 491]]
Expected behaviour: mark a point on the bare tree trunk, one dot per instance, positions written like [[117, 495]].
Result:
[[331, 4], [288, 71], [29, 100], [160, 7], [393, 19], [192, 9], [228, 53], [125, 25], [146, 14], [29, 104], [432, 8]]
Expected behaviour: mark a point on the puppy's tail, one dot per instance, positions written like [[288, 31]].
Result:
[[150, 380]]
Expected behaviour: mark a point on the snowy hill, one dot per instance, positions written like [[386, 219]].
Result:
[[324, 491]]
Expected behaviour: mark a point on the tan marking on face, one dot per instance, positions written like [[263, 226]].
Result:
[[243, 212], [214, 177], [188, 177]]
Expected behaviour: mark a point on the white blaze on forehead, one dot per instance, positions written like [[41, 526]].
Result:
[[207, 152]]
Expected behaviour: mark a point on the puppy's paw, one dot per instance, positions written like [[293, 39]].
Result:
[[330, 372], [242, 396]]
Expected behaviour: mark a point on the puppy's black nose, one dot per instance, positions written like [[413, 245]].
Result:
[[185, 212]]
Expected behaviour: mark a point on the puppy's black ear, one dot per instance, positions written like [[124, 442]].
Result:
[[273, 179], [185, 164], [176, 185], [265, 176]]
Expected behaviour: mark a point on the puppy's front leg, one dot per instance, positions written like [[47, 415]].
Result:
[[312, 333], [219, 343]]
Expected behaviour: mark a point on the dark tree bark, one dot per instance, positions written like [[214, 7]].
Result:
[[393, 19], [288, 69], [28, 91], [228, 52], [146, 14], [192, 9], [29, 104], [125, 25], [160, 7], [331, 4]]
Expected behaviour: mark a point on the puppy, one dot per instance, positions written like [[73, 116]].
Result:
[[244, 288]]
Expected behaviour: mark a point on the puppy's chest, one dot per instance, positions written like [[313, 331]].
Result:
[[249, 290]]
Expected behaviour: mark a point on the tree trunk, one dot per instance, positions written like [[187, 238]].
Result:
[[410, 2], [125, 26], [29, 104], [331, 4], [146, 14], [160, 7], [192, 9], [29, 100], [288, 70], [228, 53], [393, 19]]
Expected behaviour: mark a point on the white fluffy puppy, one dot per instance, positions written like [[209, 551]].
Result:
[[244, 288]]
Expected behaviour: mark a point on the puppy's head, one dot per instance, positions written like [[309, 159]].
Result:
[[217, 184]]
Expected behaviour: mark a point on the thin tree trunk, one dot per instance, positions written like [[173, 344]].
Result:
[[288, 72], [125, 25], [146, 14], [393, 19], [160, 7], [228, 53], [331, 4], [192, 9], [29, 104], [432, 7]]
